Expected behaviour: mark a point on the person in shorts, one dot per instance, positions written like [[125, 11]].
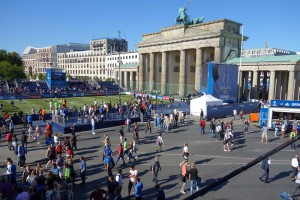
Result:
[[264, 134]]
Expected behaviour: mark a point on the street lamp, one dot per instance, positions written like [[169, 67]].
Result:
[[119, 60]]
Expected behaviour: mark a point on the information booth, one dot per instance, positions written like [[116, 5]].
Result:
[[282, 111]]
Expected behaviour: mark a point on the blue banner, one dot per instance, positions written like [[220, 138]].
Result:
[[285, 104], [263, 117]]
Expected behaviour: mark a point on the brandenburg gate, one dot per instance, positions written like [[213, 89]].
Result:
[[170, 60]]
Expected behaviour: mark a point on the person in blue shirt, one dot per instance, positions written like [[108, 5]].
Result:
[[82, 170], [21, 155], [138, 189], [29, 119], [11, 171], [55, 171]]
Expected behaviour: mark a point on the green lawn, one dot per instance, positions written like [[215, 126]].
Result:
[[27, 104]]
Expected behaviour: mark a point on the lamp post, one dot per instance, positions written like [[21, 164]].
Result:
[[119, 60], [249, 85]]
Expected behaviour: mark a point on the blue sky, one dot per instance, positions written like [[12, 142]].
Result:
[[41, 23]]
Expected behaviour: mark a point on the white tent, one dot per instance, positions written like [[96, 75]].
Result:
[[202, 102]]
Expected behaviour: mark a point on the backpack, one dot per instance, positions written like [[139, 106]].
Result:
[[21, 149], [8, 137]]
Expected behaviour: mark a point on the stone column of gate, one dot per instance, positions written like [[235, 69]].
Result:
[[125, 79], [291, 86], [131, 80], [254, 85], [198, 69], [182, 74], [272, 85], [218, 54], [164, 73], [151, 73], [141, 72]]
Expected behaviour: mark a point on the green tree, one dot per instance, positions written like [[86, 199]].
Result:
[[110, 79], [42, 76], [11, 57], [10, 72]]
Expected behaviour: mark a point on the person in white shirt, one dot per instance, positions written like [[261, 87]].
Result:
[[132, 175], [234, 114], [93, 122], [119, 179], [185, 152], [295, 165]]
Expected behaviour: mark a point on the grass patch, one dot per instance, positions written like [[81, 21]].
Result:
[[27, 104]]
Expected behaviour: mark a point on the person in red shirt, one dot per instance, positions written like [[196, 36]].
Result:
[[98, 194], [70, 152], [202, 126], [48, 130], [120, 154]]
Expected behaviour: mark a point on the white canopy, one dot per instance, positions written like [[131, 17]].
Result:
[[202, 102]]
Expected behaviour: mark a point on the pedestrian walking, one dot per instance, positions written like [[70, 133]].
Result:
[[264, 134], [21, 155], [246, 125], [266, 167], [277, 127], [51, 154], [202, 126], [293, 136], [212, 129], [119, 179], [132, 177], [194, 178], [82, 170], [283, 129], [155, 168], [160, 194], [185, 151], [227, 137], [148, 126], [218, 130], [183, 166], [234, 114], [138, 189], [73, 140], [159, 142], [121, 134], [295, 165], [201, 114], [93, 122], [120, 154], [38, 133], [24, 140], [297, 184]]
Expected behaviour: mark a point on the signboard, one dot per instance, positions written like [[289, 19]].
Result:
[[285, 104], [263, 117], [220, 81]]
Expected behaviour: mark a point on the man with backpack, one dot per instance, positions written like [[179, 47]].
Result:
[[21, 155], [265, 166], [155, 168]]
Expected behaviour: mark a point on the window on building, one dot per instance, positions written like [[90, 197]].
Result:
[[176, 69], [192, 69]]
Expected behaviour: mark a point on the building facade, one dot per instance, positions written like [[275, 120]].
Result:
[[269, 77], [37, 60], [171, 59], [266, 52], [92, 63], [128, 68]]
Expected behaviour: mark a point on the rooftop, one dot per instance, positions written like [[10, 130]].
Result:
[[261, 59]]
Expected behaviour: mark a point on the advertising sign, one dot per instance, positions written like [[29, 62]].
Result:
[[263, 117], [285, 103]]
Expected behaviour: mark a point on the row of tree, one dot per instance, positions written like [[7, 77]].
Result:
[[11, 65]]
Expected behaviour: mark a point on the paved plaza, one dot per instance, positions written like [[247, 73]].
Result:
[[212, 162]]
